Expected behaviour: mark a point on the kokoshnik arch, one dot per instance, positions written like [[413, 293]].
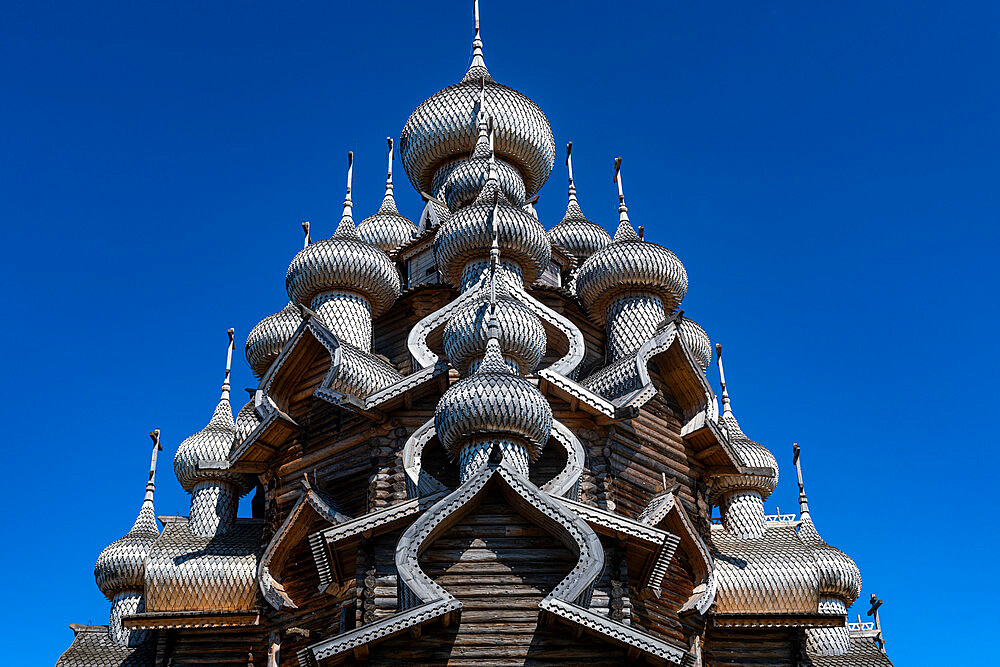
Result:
[[475, 441]]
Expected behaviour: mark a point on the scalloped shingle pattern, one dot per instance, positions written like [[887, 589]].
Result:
[[188, 572], [268, 338], [93, 647], [120, 567], [445, 126]]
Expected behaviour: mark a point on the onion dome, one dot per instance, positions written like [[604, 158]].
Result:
[[246, 419], [268, 338], [460, 181], [839, 575], [469, 235], [764, 477], [522, 337], [696, 340], [387, 229], [576, 234], [344, 262], [444, 126], [629, 263], [121, 565], [212, 443], [493, 402]]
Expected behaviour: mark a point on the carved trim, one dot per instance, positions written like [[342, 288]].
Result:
[[566, 483], [416, 341], [291, 532], [667, 508], [419, 482], [576, 347]]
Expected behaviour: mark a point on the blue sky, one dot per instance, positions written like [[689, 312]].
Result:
[[826, 171]]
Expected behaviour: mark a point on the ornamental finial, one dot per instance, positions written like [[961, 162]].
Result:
[[307, 239], [151, 482], [346, 227], [388, 178], [803, 501], [625, 231], [727, 408], [569, 168], [477, 68], [229, 365]]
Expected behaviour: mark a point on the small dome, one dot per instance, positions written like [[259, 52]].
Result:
[[461, 181], [493, 402], [120, 567], [246, 421], [839, 576], [750, 455], [387, 229], [630, 264], [468, 235], [212, 443], [522, 336], [343, 262], [697, 341], [268, 338], [577, 235]]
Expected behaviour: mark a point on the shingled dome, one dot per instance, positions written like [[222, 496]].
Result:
[[268, 338]]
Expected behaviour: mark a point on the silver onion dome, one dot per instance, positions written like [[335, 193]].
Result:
[[764, 477], [344, 262], [121, 565], [493, 402], [522, 337], [444, 126], [576, 234], [697, 341], [470, 233], [212, 443], [461, 181], [268, 338], [839, 576], [387, 229], [629, 263]]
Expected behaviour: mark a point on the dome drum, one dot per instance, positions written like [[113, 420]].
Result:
[[213, 507], [475, 455], [348, 315], [122, 605], [829, 641], [632, 319]]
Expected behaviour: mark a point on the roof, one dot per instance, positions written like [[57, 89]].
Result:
[[187, 572], [92, 647], [864, 652]]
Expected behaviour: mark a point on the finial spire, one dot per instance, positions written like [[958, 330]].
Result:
[[625, 231], [477, 68], [388, 201], [482, 147], [151, 482], [388, 178], [569, 168], [876, 603], [307, 239], [727, 408], [494, 261], [803, 501], [346, 227], [229, 365]]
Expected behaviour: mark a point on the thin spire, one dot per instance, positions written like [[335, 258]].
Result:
[[727, 408], [569, 168], [307, 239], [625, 231], [803, 501], [388, 201], [346, 227], [477, 68], [151, 482], [482, 147], [494, 261], [229, 365]]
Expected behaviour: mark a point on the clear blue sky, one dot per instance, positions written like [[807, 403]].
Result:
[[826, 171]]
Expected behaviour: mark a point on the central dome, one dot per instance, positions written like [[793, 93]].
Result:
[[445, 127]]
